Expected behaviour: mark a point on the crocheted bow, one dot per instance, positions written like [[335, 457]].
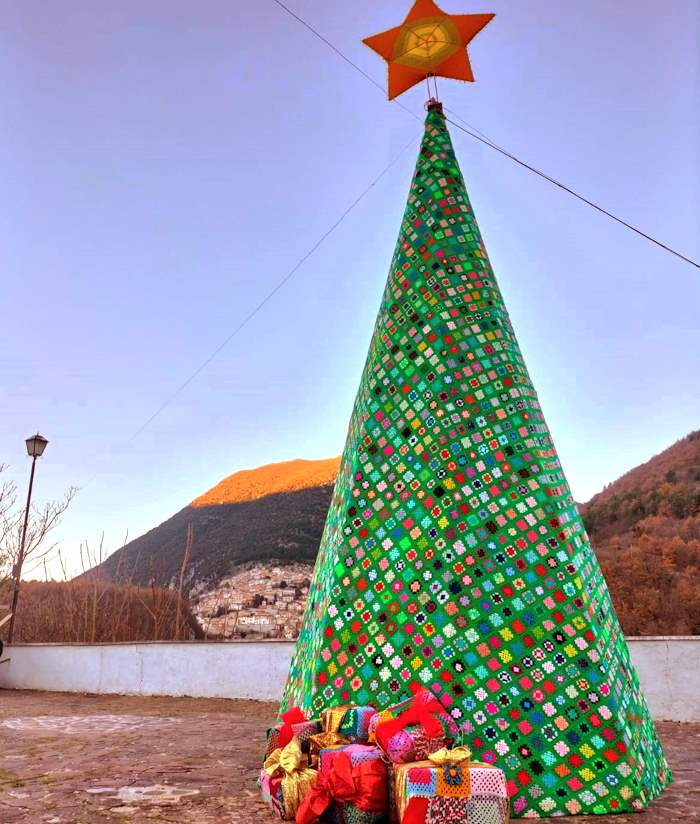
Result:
[[288, 718], [444, 757], [424, 710]]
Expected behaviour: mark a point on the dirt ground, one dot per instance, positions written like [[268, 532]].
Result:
[[88, 759]]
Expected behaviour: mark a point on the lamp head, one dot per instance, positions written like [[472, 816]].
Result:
[[36, 445]]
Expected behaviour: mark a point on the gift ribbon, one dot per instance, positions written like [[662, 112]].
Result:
[[423, 710], [288, 718], [324, 741], [444, 757], [364, 785], [290, 764]]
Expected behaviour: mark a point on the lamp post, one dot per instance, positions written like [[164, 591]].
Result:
[[35, 449]]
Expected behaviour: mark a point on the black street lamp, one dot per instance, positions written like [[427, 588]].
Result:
[[35, 449]]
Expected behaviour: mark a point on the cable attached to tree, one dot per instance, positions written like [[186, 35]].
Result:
[[473, 132]]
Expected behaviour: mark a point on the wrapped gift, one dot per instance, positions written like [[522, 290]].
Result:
[[349, 721], [324, 741], [271, 791], [286, 778], [410, 731], [294, 725], [386, 715], [449, 788], [351, 788]]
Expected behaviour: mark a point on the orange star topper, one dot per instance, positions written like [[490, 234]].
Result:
[[429, 43]]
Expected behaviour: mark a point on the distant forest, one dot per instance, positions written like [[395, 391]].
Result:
[[645, 528]]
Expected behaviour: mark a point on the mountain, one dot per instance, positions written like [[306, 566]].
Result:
[[646, 530], [272, 479], [256, 534], [275, 512], [668, 484]]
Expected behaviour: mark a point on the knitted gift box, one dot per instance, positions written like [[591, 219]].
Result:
[[411, 730], [449, 788], [349, 721], [271, 791], [352, 787], [294, 725], [286, 778]]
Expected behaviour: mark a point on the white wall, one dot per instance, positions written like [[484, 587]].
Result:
[[669, 669], [201, 669]]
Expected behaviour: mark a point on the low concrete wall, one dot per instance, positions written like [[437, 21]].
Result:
[[669, 669], [202, 669]]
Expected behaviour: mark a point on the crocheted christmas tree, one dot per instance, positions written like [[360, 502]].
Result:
[[454, 556]]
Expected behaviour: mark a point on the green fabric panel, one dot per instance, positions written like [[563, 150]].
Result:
[[454, 555]]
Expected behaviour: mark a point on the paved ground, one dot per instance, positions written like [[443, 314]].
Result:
[[88, 759]]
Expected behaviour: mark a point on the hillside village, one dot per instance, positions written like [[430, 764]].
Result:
[[257, 601]]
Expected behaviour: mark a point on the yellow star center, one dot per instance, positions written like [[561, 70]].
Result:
[[425, 43]]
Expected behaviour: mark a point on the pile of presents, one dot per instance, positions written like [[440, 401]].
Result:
[[355, 765]]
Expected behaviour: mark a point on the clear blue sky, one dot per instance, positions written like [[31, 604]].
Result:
[[165, 163]]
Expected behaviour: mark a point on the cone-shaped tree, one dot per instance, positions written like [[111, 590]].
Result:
[[454, 555]]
